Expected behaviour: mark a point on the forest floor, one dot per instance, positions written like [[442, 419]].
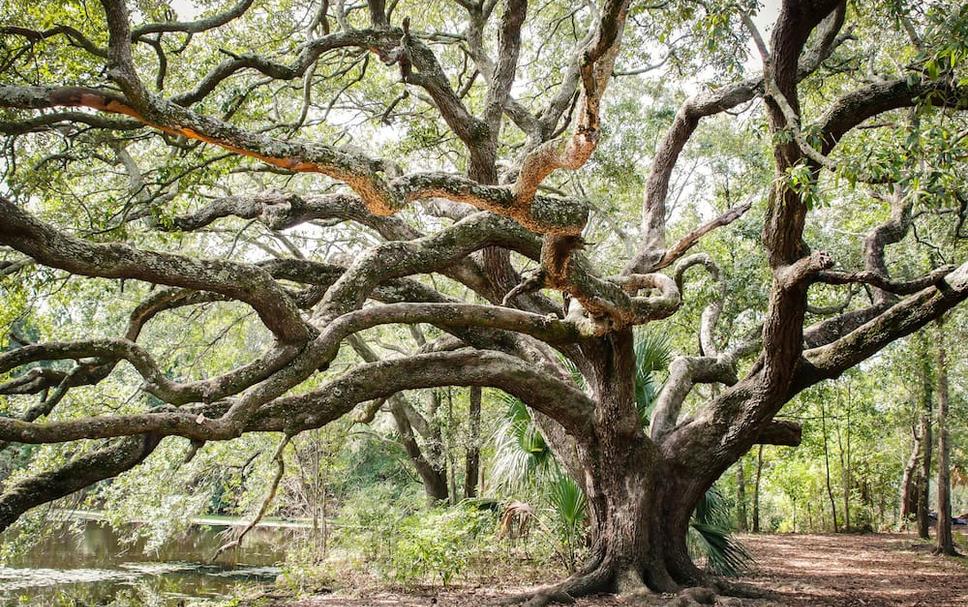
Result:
[[794, 570]]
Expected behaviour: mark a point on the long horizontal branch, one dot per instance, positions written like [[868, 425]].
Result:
[[876, 279], [54, 119], [193, 27], [335, 398], [878, 97], [82, 471], [290, 414], [109, 351]]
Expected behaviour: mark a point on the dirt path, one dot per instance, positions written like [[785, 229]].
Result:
[[798, 571], [856, 571]]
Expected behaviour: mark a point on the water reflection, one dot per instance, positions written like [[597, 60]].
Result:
[[92, 567]]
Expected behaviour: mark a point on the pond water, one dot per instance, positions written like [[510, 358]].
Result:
[[86, 564]]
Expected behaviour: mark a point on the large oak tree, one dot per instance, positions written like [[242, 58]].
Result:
[[515, 102]]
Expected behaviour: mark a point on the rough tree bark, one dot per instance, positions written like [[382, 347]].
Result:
[[910, 481], [742, 522]]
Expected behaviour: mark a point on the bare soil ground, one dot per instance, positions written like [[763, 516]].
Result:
[[857, 571], [794, 570]]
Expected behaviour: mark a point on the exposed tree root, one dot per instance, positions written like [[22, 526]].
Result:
[[564, 593], [688, 597], [739, 589], [631, 586], [636, 592]]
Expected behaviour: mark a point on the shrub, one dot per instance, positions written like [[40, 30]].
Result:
[[438, 543]]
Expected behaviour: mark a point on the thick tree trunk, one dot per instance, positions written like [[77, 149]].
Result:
[[639, 511], [472, 463], [639, 506], [945, 544]]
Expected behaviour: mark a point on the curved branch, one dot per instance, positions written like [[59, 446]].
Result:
[[570, 406], [899, 320], [687, 120], [712, 311], [594, 70], [684, 373], [884, 95], [365, 176]]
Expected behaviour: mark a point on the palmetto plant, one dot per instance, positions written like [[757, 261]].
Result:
[[523, 459], [710, 536]]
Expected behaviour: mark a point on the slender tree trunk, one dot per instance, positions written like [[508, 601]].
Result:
[[843, 438], [472, 464], [924, 486], [451, 460], [756, 490], [847, 472], [826, 465], [909, 481], [741, 521], [435, 447], [945, 544], [432, 477]]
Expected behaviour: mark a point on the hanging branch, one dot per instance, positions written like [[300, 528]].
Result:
[[280, 463]]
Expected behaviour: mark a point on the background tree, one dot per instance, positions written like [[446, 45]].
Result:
[[945, 542]]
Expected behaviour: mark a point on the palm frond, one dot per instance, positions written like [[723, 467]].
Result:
[[575, 373], [713, 509], [723, 553], [521, 455], [711, 536], [568, 501], [653, 352]]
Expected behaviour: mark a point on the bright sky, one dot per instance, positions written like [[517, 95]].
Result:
[[186, 9]]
